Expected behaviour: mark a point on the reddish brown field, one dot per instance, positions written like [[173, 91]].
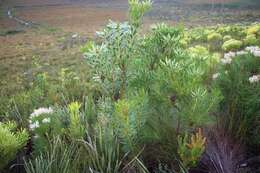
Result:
[[51, 42], [73, 18]]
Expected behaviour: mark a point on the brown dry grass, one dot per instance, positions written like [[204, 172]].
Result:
[[73, 18], [210, 1]]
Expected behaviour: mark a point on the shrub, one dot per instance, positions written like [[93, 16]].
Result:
[[10, 142], [250, 40], [254, 29], [198, 34], [215, 41], [44, 124], [184, 43], [76, 128], [199, 50], [232, 45], [240, 103], [60, 158], [190, 150], [214, 37], [137, 9], [226, 38]]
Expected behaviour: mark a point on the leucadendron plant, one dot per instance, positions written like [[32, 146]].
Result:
[[238, 78], [156, 68], [149, 88], [76, 128], [191, 148], [11, 141], [110, 60]]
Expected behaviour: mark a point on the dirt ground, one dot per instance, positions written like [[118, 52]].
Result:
[[51, 43], [85, 20]]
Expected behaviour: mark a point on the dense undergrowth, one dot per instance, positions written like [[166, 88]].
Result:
[[172, 100]]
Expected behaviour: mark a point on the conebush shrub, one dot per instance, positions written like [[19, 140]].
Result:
[[11, 141], [240, 104], [250, 40], [232, 45]]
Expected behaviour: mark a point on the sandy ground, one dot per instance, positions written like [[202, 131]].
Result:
[[80, 19], [51, 43]]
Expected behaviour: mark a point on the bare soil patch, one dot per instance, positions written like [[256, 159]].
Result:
[[60, 19], [73, 18]]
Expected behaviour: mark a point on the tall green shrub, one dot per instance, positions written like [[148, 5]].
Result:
[[240, 106]]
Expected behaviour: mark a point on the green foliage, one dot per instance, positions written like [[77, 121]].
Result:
[[76, 129], [70, 87], [232, 45], [199, 34], [190, 150], [109, 60], [145, 97], [226, 38], [159, 44], [236, 31], [254, 29], [250, 40], [129, 119], [60, 158], [44, 127], [137, 9], [148, 84], [11, 141], [213, 37], [240, 105], [199, 51], [104, 153]]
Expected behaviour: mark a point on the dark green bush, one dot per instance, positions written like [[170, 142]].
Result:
[[240, 106]]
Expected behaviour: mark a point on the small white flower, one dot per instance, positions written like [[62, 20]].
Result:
[[74, 36], [215, 76], [256, 53], [40, 111], [34, 125], [229, 55], [226, 60], [254, 78], [251, 49], [46, 120], [96, 78], [242, 52]]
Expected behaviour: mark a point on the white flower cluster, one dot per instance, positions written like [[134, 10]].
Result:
[[38, 112], [228, 57], [255, 50], [34, 125], [97, 78], [215, 76], [242, 52], [254, 79], [251, 49], [41, 111], [46, 120]]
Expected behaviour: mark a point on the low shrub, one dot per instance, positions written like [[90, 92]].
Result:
[[250, 40], [11, 141], [232, 45], [239, 85], [226, 38], [254, 29], [214, 37]]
